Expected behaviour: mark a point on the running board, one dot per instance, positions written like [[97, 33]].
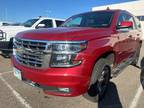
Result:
[[116, 71]]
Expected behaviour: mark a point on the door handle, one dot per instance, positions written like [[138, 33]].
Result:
[[138, 34], [130, 36]]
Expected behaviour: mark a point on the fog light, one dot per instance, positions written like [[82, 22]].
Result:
[[64, 90]]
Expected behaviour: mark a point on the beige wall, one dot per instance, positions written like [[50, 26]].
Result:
[[135, 7]]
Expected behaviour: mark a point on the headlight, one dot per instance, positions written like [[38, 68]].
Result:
[[70, 47], [64, 53], [64, 60]]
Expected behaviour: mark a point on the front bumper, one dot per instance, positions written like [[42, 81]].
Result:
[[4, 45], [76, 79]]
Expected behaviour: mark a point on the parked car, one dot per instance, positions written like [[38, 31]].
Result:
[[8, 32], [81, 56], [141, 18]]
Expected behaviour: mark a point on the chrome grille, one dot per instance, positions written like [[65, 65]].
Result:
[[32, 53]]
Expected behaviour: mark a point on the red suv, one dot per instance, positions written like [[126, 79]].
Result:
[[81, 56]]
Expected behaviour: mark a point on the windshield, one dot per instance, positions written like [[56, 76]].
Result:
[[30, 22], [91, 19]]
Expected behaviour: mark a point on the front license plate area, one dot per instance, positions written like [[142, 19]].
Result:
[[17, 73]]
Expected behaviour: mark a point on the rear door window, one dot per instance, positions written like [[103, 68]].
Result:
[[130, 18], [58, 22]]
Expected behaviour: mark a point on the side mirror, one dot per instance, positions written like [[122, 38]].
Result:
[[125, 24], [40, 26]]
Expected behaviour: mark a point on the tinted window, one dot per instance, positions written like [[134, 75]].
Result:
[[121, 18], [138, 25], [30, 22], [58, 22], [141, 18], [91, 19], [47, 23], [74, 22]]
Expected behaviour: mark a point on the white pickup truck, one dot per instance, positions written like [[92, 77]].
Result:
[[8, 32], [2, 23]]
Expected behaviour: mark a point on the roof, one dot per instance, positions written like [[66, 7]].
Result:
[[111, 10], [41, 17]]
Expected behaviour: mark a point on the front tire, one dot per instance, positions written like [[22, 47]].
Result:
[[99, 80]]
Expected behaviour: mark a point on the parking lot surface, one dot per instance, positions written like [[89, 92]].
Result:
[[124, 91]]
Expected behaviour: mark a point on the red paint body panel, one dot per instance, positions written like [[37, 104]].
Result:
[[100, 41], [65, 34]]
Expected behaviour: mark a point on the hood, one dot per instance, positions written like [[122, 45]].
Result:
[[9, 28], [65, 33]]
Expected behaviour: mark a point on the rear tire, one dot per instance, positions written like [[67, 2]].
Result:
[[99, 80]]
